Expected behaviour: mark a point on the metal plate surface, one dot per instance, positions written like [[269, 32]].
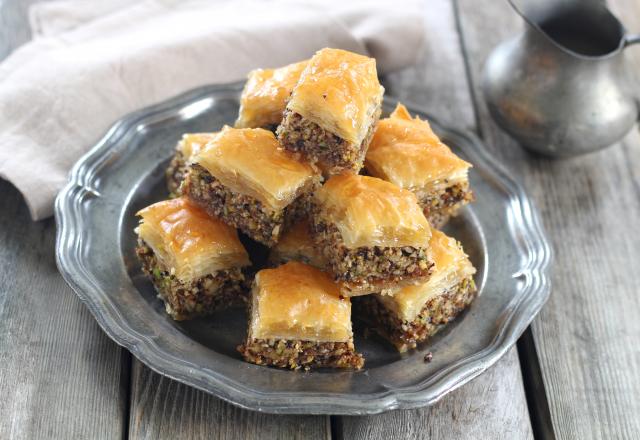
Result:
[[125, 172]]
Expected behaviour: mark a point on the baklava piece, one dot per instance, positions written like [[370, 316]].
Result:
[[190, 144], [406, 152], [297, 245], [194, 261], [415, 313], [265, 96], [333, 110], [243, 177], [373, 234], [299, 320]]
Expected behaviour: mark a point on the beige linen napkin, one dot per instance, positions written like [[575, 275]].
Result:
[[90, 64]]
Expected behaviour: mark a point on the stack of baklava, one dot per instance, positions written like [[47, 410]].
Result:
[[289, 176]]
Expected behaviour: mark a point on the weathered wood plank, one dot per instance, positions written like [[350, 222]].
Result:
[[59, 374], [170, 409], [494, 404], [586, 336], [162, 408], [489, 407]]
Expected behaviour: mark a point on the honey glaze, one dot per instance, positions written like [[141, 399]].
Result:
[[266, 93], [188, 240], [250, 161], [406, 152], [372, 212], [339, 91], [451, 266], [192, 143], [296, 301]]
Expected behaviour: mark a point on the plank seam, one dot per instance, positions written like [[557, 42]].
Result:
[[126, 367], [534, 389], [336, 432], [467, 68]]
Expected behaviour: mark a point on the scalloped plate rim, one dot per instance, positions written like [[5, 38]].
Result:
[[428, 391]]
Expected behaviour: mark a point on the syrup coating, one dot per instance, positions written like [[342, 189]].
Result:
[[250, 161], [265, 95], [338, 90], [372, 212], [186, 239], [296, 301], [406, 152], [452, 266], [192, 143], [296, 243]]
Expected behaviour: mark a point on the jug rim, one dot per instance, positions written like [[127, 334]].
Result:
[[625, 37]]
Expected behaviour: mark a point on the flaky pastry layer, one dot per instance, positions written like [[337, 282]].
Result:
[[187, 240], [251, 162], [297, 301], [265, 95], [339, 91], [452, 266], [372, 212], [406, 152]]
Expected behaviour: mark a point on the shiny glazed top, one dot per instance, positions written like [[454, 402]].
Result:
[[189, 241], [452, 265], [296, 244], [296, 301], [250, 161], [339, 91], [192, 143], [372, 212], [265, 95], [406, 152]]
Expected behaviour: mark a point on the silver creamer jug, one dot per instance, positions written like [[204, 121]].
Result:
[[563, 87]]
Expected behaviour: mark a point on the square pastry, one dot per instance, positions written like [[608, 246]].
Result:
[[190, 144], [417, 312], [298, 319], [406, 152], [372, 234], [243, 177], [194, 261], [265, 96], [333, 110], [296, 244]]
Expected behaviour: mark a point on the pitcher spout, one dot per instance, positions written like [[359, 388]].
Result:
[[583, 29]]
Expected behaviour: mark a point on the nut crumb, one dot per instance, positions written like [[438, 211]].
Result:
[[428, 357]]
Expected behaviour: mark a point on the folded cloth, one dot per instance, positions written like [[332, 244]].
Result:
[[89, 65]]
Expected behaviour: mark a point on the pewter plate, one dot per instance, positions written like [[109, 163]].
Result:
[[124, 172]]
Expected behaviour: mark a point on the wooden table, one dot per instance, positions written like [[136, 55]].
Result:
[[574, 374]]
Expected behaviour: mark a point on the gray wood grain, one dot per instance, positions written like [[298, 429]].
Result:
[[586, 337], [164, 409], [490, 407], [59, 374], [493, 405]]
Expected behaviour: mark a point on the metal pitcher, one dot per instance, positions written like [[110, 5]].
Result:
[[564, 87]]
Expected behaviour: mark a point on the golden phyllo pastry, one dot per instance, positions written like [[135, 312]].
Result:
[[265, 96], [333, 109], [299, 320], [373, 234], [246, 179], [416, 312], [297, 245], [190, 144], [405, 151], [194, 260]]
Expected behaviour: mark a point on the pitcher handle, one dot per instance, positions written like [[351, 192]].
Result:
[[631, 39]]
